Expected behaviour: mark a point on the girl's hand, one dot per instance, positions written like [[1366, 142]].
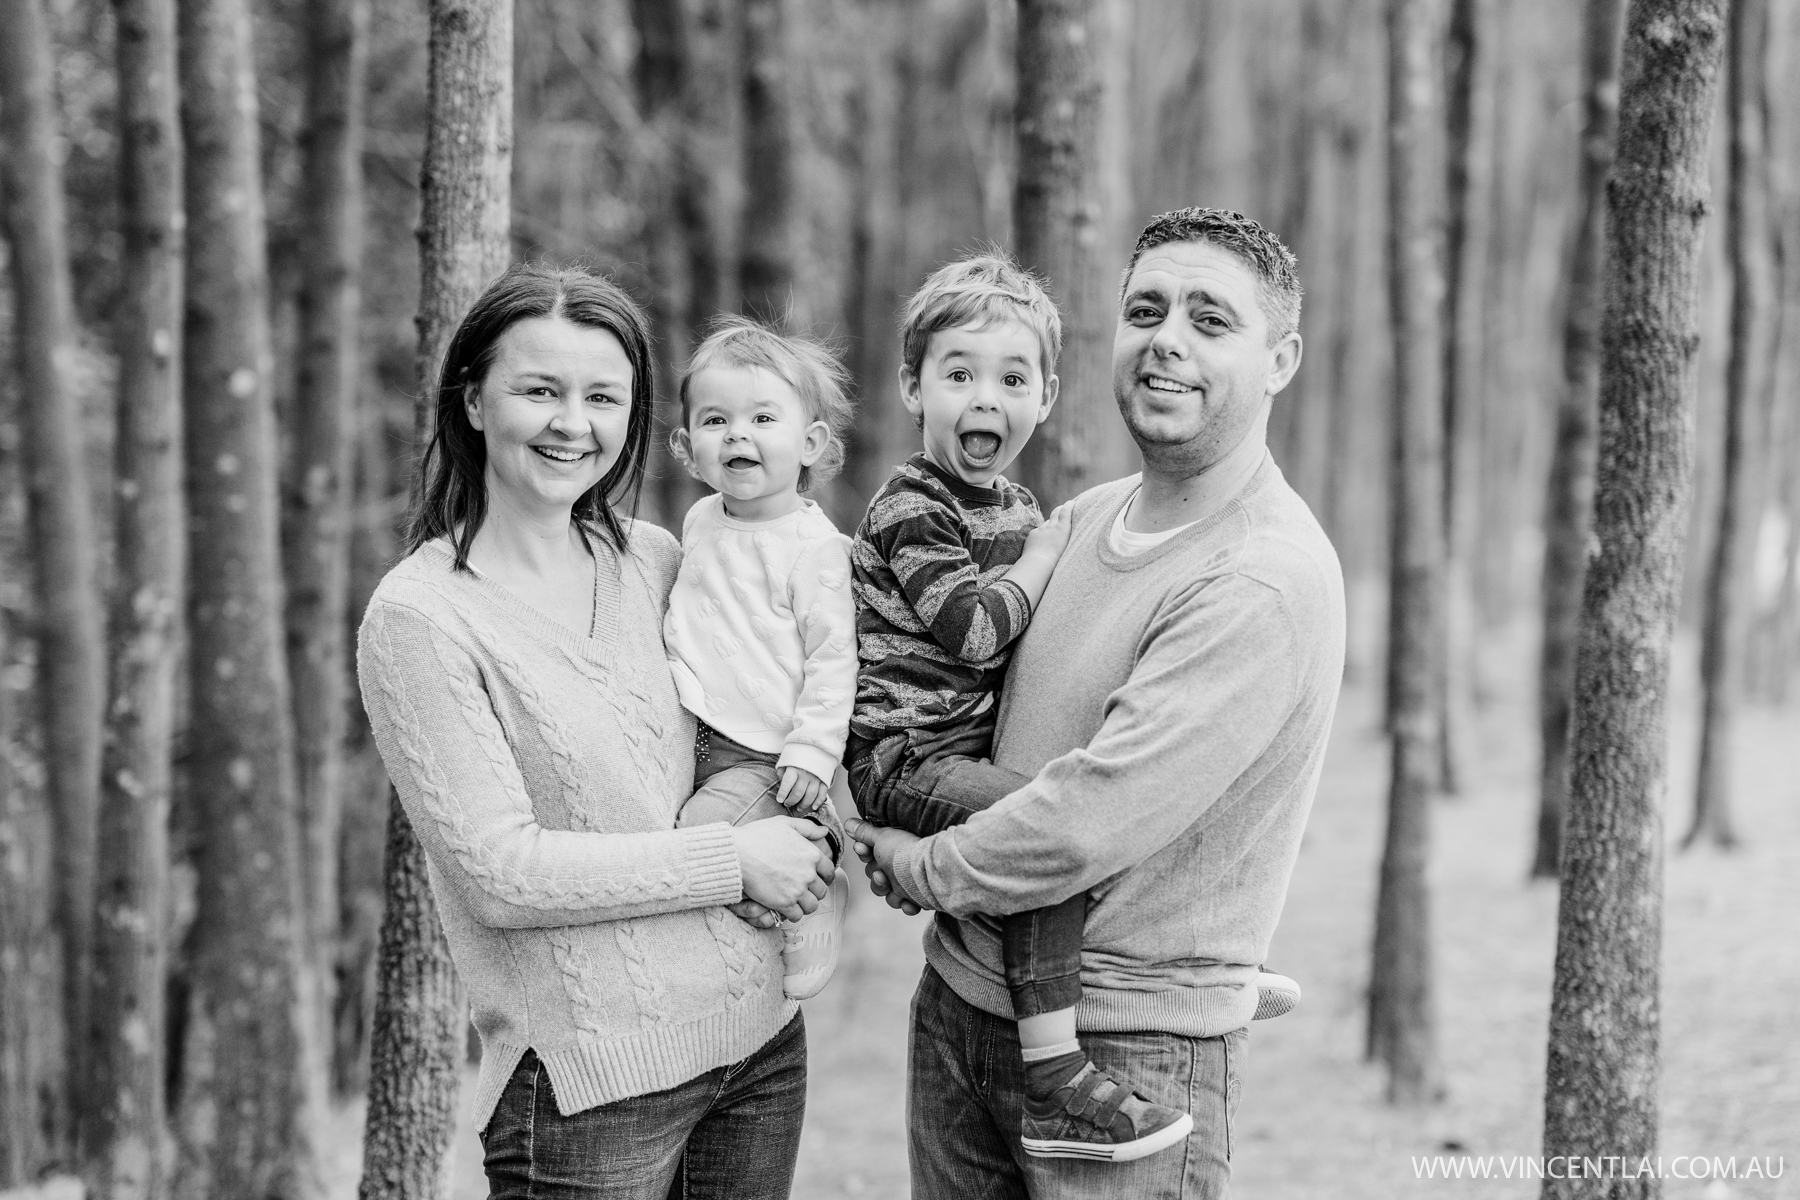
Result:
[[785, 864], [801, 790]]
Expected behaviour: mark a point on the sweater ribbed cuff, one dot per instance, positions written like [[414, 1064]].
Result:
[[909, 879], [808, 758], [713, 874]]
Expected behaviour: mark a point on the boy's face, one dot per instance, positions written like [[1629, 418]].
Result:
[[977, 397], [747, 436]]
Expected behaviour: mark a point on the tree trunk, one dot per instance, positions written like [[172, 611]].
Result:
[[1469, 124], [1725, 632], [1569, 505], [417, 1039], [123, 1143], [1402, 1009], [1059, 222], [322, 419], [245, 1132], [772, 213], [1602, 1076], [71, 664]]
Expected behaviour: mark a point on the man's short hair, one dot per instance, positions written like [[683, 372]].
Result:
[[977, 290], [1276, 270]]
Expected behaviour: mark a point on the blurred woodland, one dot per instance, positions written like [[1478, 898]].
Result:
[[806, 161]]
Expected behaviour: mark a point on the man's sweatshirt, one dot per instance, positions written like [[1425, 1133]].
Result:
[[1174, 707]]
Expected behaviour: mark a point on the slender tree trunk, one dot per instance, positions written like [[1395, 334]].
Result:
[[1059, 223], [1569, 505], [72, 668], [123, 1144], [772, 212], [1469, 123], [245, 1132], [1725, 632], [418, 1036], [1402, 1008], [322, 419], [1602, 1077]]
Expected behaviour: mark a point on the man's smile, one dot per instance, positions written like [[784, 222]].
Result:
[[1173, 387]]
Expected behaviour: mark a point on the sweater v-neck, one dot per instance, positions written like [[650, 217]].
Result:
[[601, 639]]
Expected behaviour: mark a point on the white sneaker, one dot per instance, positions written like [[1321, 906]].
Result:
[[811, 954], [1276, 995]]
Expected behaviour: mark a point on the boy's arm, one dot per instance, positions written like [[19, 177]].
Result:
[[921, 541], [826, 615]]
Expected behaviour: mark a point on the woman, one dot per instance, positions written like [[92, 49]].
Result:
[[635, 1037]]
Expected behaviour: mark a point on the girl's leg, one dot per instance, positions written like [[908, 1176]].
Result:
[[745, 1146]]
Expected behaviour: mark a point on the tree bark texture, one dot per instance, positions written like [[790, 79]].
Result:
[[1402, 1007], [1602, 1075], [420, 1022], [245, 1132], [1569, 502], [1468, 111], [70, 633], [124, 1137], [1059, 222], [322, 422], [771, 213], [1725, 628]]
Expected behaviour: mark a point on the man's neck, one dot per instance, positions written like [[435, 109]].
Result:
[[1172, 497]]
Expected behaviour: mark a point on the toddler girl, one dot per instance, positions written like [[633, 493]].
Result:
[[761, 628]]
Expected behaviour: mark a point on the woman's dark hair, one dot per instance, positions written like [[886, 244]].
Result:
[[454, 502]]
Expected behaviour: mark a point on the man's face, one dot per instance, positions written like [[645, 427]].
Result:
[[1193, 370]]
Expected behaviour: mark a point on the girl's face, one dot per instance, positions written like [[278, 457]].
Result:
[[748, 436], [554, 410]]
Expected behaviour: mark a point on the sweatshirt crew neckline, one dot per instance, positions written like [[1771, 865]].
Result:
[[1186, 534], [993, 494]]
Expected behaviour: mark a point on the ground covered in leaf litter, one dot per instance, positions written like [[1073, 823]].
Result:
[[1312, 1122]]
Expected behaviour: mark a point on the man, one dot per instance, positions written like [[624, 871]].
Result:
[[1172, 698]]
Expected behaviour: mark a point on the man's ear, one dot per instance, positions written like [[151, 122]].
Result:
[[1286, 362], [814, 443], [1052, 389]]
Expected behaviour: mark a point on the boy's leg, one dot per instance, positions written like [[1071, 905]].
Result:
[[925, 781]]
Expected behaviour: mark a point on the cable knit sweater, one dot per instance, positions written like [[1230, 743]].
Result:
[[542, 769]]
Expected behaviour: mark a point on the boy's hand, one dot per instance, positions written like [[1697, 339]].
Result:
[[801, 790], [876, 845], [1052, 537]]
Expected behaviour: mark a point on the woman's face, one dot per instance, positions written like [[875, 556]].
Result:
[[554, 410]]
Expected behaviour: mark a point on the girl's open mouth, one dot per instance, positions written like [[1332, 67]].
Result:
[[741, 463]]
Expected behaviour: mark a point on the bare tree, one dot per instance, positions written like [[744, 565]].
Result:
[[772, 214], [1402, 1009], [72, 670], [245, 1131], [416, 1044], [123, 1141], [1569, 505], [1602, 1076], [1059, 224], [1725, 630], [322, 419]]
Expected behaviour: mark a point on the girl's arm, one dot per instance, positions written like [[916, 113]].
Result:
[[826, 614]]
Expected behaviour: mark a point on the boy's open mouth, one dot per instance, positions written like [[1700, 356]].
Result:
[[980, 446], [740, 463]]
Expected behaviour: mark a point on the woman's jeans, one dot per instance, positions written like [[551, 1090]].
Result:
[[730, 1134], [925, 781]]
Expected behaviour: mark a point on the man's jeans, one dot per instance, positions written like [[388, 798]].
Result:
[[966, 1086], [730, 1134]]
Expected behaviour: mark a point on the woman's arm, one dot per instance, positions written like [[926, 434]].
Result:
[[462, 789]]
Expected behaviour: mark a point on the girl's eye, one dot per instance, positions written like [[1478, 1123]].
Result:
[[959, 376], [712, 420]]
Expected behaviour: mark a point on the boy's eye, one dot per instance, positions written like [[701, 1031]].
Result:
[[1015, 380], [764, 419]]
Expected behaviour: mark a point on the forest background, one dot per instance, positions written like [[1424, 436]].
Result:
[[809, 161]]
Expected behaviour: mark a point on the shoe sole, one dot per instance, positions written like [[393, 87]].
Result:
[[1276, 996], [804, 985], [1169, 1135]]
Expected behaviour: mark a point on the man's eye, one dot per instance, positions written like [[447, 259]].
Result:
[[1143, 314]]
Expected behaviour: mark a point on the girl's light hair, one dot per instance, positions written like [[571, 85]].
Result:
[[805, 365]]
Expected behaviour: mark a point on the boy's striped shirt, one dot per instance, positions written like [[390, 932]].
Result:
[[934, 618]]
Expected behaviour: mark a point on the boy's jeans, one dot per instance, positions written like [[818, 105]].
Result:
[[965, 1087], [732, 1133], [926, 780], [734, 784]]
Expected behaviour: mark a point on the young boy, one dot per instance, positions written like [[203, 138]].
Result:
[[949, 562]]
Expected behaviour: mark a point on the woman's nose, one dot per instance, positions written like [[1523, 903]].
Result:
[[569, 419]]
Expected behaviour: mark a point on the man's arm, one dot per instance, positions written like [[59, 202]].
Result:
[[1217, 679]]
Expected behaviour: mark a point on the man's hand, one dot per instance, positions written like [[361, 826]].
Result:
[[876, 845], [801, 790]]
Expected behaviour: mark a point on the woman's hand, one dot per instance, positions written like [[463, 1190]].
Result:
[[785, 863]]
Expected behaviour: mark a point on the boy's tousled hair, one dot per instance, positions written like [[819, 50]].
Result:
[[807, 366], [1276, 269], [984, 287]]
